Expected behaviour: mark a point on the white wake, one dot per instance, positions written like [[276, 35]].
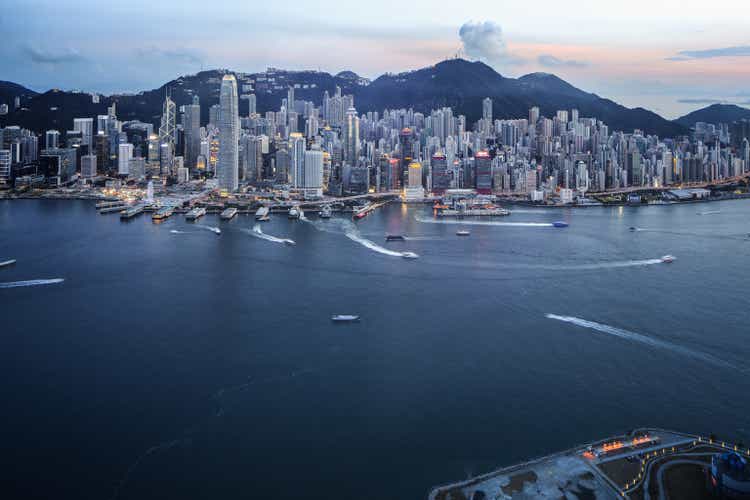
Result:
[[15, 284], [258, 233], [468, 222], [637, 337]]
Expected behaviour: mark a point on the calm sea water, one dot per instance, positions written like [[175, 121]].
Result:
[[175, 363]]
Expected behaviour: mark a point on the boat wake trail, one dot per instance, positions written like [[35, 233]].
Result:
[[611, 265], [175, 231], [213, 229], [465, 222], [151, 451], [352, 232], [355, 236], [643, 339], [16, 284], [258, 233]]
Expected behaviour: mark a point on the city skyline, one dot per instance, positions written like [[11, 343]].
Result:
[[638, 55]]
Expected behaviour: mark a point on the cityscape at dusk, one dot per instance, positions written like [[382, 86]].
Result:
[[403, 251]]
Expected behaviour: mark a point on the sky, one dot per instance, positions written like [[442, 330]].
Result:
[[670, 56]]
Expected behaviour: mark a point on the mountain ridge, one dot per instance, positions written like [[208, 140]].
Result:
[[458, 83]]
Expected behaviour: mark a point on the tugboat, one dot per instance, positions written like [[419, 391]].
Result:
[[325, 212], [294, 213], [344, 318]]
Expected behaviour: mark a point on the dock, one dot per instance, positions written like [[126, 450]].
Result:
[[113, 209], [132, 212]]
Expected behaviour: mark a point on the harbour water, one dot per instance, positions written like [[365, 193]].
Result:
[[172, 362]]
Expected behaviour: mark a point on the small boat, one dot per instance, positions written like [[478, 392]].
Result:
[[344, 318], [560, 223], [462, 232], [668, 259], [325, 212], [633, 228], [289, 242], [394, 237], [409, 255], [8, 263], [294, 213], [215, 230]]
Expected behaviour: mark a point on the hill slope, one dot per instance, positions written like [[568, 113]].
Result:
[[715, 113]]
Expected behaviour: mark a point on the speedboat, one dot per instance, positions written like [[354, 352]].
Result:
[[668, 259], [8, 263], [633, 228], [289, 242], [462, 232], [394, 237], [344, 318], [560, 223], [215, 230], [294, 213], [409, 255]]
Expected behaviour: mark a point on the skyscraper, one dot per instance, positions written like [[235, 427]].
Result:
[[192, 132], [351, 137], [297, 145], [312, 183], [167, 132], [227, 167], [86, 127], [487, 109], [123, 159]]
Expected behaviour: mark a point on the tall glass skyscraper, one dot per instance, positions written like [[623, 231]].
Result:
[[227, 166]]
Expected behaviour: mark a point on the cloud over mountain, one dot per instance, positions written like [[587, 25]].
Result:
[[484, 41]]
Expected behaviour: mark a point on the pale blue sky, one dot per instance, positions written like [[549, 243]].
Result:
[[654, 54]]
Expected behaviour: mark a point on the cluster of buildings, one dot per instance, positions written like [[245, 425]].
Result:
[[330, 148]]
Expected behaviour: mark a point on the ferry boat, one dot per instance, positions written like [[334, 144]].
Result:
[[8, 263], [325, 212], [668, 259], [477, 212], [462, 232], [162, 213], [409, 255], [228, 213], [262, 214], [294, 213], [344, 318], [195, 213], [131, 212], [394, 237]]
